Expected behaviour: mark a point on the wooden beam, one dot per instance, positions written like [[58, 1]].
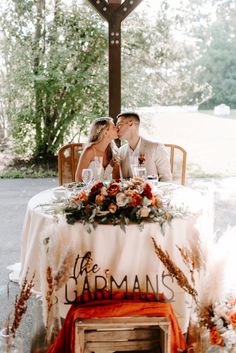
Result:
[[114, 68], [114, 8], [126, 8], [102, 7], [114, 12]]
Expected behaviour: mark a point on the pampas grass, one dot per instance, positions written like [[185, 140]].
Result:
[[193, 256], [52, 324], [226, 246], [175, 271], [57, 260], [20, 304]]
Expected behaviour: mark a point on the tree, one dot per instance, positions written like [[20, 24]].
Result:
[[217, 59], [158, 58], [55, 59]]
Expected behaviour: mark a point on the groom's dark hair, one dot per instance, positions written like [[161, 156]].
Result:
[[131, 115]]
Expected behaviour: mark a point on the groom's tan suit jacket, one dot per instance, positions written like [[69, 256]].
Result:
[[157, 161]]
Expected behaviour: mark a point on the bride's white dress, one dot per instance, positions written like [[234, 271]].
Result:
[[105, 174]]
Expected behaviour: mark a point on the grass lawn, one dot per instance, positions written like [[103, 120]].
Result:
[[208, 139]]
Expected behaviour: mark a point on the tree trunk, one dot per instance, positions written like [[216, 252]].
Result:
[[37, 61]]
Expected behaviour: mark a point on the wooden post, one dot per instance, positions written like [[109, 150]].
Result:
[[114, 12]]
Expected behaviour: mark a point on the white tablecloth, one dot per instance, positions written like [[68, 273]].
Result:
[[48, 240]]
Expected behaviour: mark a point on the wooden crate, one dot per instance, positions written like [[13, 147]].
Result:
[[123, 334]]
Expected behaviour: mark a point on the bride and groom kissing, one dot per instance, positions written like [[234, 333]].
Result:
[[117, 163]]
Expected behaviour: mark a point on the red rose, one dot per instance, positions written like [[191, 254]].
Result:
[[113, 189], [96, 187], [147, 191]]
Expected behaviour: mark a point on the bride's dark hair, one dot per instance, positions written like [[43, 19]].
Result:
[[96, 134]]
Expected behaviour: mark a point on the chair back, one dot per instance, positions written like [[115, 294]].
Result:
[[67, 158], [178, 161]]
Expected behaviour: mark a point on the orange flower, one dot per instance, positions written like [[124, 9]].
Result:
[[113, 189], [82, 196], [112, 208], [215, 337], [135, 199], [232, 318], [154, 201], [99, 199]]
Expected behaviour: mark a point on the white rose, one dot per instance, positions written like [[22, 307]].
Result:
[[121, 199], [144, 212]]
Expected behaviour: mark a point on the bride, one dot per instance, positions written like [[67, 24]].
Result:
[[102, 133]]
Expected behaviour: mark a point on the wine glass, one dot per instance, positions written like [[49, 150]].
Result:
[[87, 176], [133, 164], [141, 172], [98, 166]]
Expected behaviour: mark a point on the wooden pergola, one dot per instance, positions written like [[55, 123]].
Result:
[[114, 12]]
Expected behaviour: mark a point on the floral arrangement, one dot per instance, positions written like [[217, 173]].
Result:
[[220, 320], [214, 327], [119, 203]]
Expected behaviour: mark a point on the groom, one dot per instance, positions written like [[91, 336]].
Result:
[[153, 154]]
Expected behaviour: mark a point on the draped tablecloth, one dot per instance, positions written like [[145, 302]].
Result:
[[109, 258], [65, 341]]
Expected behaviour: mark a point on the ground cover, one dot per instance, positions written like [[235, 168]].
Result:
[[14, 166]]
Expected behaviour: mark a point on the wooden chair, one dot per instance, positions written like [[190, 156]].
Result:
[[68, 157], [178, 161], [121, 334]]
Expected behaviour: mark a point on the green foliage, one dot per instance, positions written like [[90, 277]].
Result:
[[55, 76], [26, 172], [58, 80], [157, 61], [217, 60]]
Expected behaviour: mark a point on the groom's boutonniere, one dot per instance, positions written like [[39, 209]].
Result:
[[141, 158]]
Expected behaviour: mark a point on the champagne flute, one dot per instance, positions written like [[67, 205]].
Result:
[[87, 176], [98, 166], [133, 164]]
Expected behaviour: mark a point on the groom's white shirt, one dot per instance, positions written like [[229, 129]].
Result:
[[156, 159]]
